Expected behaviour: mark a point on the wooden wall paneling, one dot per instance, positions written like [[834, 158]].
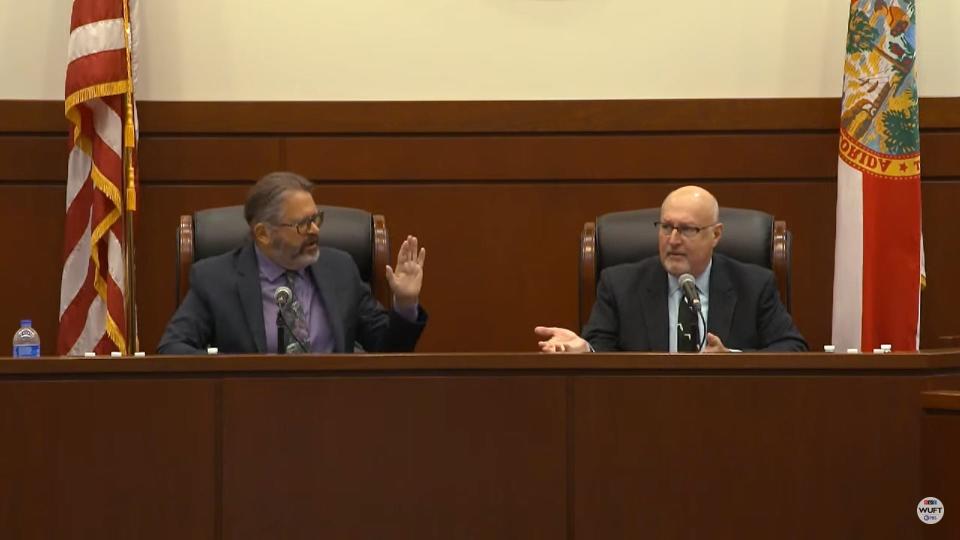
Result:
[[396, 117], [563, 157], [663, 115], [33, 158], [140, 464], [941, 442], [32, 216], [395, 457], [207, 159], [32, 116], [939, 324], [939, 156], [755, 461]]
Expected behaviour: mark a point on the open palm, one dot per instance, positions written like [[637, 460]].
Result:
[[407, 278]]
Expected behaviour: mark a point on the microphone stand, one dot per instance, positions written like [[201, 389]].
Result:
[[283, 327], [703, 338]]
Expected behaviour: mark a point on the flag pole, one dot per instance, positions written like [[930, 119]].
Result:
[[130, 195]]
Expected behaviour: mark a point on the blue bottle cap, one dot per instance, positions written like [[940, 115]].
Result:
[[25, 323]]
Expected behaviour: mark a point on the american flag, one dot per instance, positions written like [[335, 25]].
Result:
[[100, 188]]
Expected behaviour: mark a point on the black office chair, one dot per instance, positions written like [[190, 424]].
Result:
[[619, 237], [218, 230]]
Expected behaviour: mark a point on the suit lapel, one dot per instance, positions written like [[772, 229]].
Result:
[[723, 300], [319, 271], [248, 288], [655, 311]]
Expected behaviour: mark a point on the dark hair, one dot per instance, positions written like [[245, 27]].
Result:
[[265, 197]]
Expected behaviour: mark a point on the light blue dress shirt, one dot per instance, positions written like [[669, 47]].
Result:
[[675, 296]]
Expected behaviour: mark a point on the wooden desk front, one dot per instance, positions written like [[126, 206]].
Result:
[[521, 446]]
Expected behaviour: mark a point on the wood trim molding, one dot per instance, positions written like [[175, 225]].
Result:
[[943, 400], [575, 116]]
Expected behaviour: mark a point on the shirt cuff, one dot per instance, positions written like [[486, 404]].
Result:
[[409, 313]]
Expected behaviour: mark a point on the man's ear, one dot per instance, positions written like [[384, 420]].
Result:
[[260, 234], [717, 232]]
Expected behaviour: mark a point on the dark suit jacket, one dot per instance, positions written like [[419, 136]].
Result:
[[745, 312], [224, 309]]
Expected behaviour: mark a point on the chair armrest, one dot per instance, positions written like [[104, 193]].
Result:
[[381, 257], [184, 257], [781, 262], [588, 271]]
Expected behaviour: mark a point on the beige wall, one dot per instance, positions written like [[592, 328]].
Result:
[[474, 49]]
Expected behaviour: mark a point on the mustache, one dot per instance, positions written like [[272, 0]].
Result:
[[309, 243]]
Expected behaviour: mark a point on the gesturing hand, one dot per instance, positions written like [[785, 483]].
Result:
[[407, 279], [560, 340]]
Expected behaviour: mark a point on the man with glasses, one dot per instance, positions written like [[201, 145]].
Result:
[[232, 301], [641, 307]]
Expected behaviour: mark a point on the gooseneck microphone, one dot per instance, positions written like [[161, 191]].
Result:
[[689, 287], [282, 296]]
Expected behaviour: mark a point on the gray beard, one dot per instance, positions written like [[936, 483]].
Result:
[[299, 260]]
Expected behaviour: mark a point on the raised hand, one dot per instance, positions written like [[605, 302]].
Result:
[[405, 282], [560, 340]]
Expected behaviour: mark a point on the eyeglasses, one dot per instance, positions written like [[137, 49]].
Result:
[[303, 226], [687, 231]]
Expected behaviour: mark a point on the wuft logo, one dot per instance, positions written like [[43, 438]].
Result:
[[930, 510]]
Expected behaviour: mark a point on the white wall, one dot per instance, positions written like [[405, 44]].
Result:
[[474, 49]]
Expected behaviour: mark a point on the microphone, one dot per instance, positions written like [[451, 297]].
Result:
[[689, 287], [282, 296]]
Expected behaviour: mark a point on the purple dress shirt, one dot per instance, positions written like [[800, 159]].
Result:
[[318, 324], [320, 336]]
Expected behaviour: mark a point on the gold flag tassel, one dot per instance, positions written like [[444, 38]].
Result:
[[130, 206], [129, 131]]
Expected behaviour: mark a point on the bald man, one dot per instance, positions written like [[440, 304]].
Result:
[[640, 306]]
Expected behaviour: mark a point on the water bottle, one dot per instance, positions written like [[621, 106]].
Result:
[[26, 341]]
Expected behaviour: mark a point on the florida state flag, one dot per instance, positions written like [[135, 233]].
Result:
[[878, 261]]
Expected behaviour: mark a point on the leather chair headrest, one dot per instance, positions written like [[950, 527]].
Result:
[[630, 236]]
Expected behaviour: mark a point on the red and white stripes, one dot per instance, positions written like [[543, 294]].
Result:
[[92, 288]]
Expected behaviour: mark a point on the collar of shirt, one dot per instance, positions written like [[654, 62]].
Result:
[[702, 281], [271, 270]]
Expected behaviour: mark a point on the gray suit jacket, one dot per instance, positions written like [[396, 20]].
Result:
[[630, 313], [224, 309]]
